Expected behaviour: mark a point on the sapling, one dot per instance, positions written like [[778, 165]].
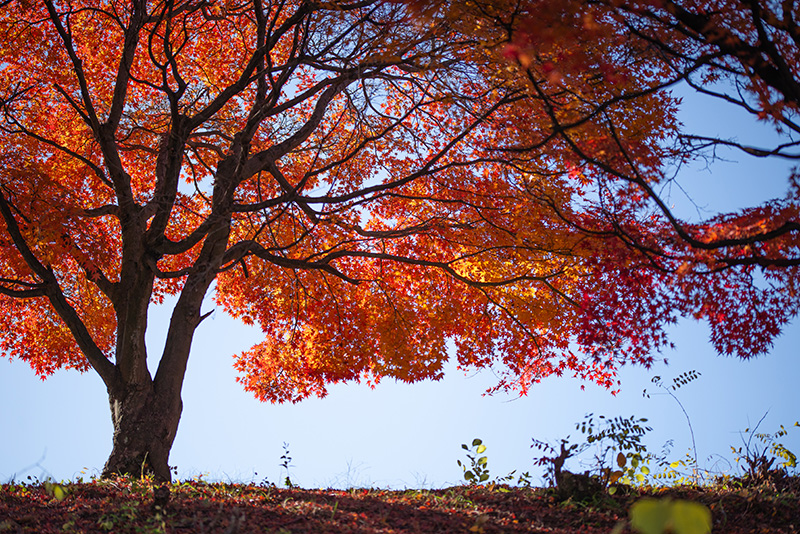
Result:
[[677, 382]]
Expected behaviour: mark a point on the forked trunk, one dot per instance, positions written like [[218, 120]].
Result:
[[145, 409], [144, 428]]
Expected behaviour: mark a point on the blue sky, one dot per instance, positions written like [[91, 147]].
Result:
[[409, 435], [396, 435]]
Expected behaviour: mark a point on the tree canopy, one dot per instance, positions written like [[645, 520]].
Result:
[[372, 181], [737, 270]]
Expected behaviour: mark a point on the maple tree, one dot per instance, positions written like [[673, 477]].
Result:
[[366, 181]]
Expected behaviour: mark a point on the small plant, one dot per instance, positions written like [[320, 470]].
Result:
[[286, 463], [523, 480], [677, 382], [554, 465], [568, 485], [676, 472], [618, 438], [758, 461], [625, 437], [478, 472]]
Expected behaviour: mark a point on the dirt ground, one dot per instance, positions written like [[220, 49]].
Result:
[[126, 505]]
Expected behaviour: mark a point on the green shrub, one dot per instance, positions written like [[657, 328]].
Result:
[[620, 456], [759, 453], [477, 472]]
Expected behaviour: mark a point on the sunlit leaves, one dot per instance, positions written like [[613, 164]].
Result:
[[370, 184]]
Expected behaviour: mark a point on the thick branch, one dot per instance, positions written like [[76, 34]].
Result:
[[31, 289], [52, 290], [123, 72]]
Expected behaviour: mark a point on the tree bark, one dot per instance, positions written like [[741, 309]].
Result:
[[145, 412], [145, 425]]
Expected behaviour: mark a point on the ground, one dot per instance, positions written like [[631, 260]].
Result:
[[130, 505]]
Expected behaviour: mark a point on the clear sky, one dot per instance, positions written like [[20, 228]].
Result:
[[409, 435]]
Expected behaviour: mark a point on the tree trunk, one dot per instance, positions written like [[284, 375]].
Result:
[[145, 411], [145, 425]]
